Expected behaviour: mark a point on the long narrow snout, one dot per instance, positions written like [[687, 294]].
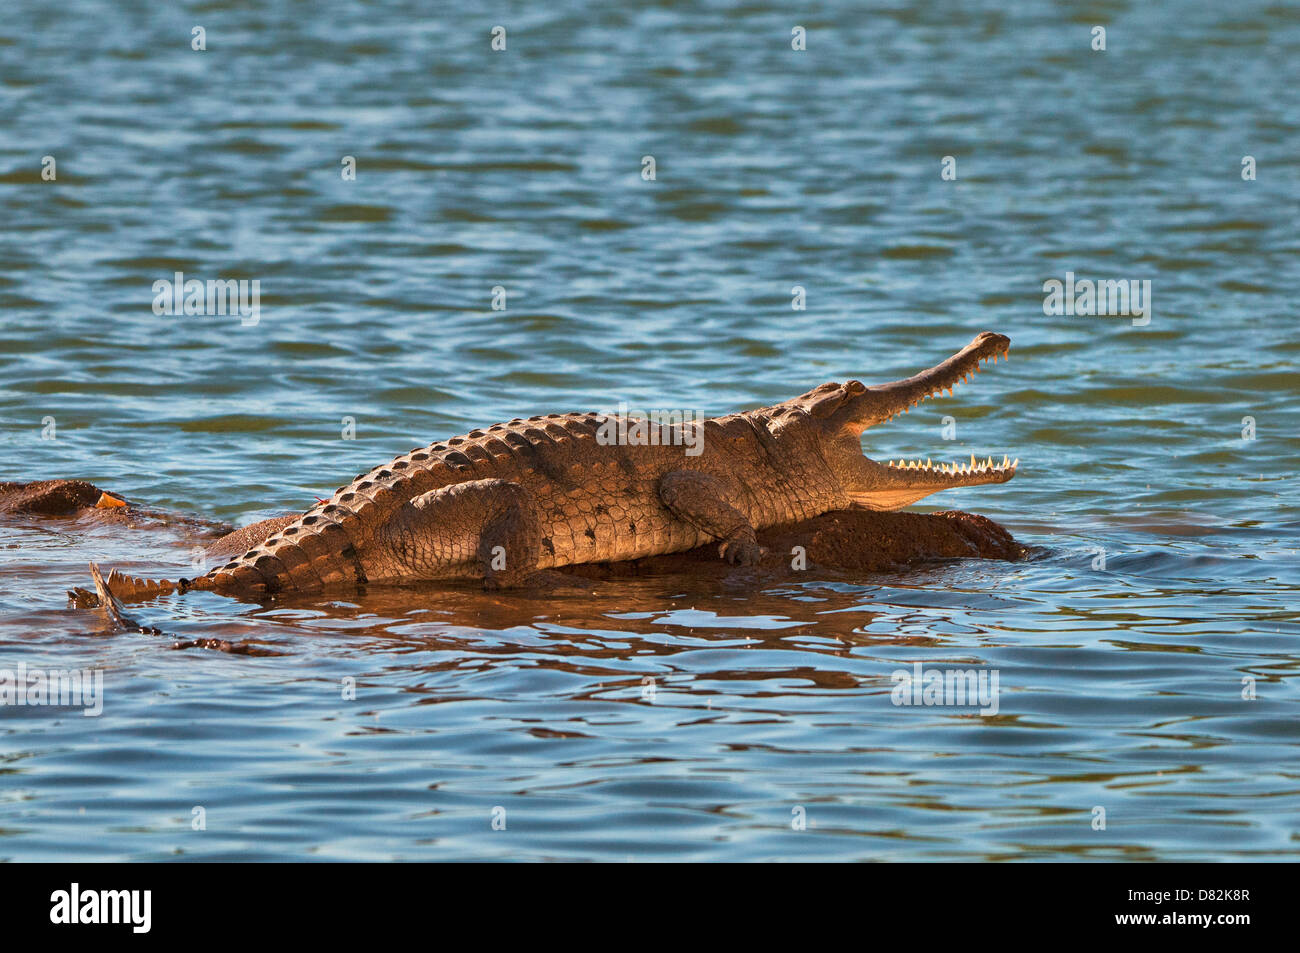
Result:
[[881, 402]]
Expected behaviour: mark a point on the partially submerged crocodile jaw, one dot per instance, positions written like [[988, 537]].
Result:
[[503, 503]]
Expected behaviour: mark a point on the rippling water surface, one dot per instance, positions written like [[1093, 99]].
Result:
[[1121, 687]]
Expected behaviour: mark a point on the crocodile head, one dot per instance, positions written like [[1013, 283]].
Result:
[[840, 413]]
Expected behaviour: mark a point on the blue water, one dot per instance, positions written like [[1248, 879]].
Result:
[[1121, 687]]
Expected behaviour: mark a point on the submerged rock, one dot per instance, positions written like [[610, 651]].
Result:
[[53, 497]]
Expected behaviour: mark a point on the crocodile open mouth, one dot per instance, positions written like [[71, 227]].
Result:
[[902, 396], [898, 482], [957, 470]]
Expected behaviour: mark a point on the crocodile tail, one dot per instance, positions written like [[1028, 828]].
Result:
[[124, 588], [314, 552], [108, 600], [120, 587], [321, 548], [274, 565]]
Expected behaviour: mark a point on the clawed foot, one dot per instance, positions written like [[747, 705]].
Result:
[[742, 549]]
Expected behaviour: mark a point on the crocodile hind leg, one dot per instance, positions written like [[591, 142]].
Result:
[[702, 500], [486, 528]]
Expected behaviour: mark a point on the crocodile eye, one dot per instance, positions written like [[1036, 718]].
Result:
[[825, 406]]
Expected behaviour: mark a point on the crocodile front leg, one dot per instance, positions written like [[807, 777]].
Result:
[[701, 500], [486, 528]]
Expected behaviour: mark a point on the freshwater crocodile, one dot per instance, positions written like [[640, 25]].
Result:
[[515, 499]]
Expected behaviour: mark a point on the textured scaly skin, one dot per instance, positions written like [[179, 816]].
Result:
[[594, 503], [541, 493]]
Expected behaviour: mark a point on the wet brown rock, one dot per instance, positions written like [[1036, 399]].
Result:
[[874, 541], [84, 501], [49, 497], [856, 541]]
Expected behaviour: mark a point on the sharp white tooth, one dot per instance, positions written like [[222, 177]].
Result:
[[1016, 463]]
